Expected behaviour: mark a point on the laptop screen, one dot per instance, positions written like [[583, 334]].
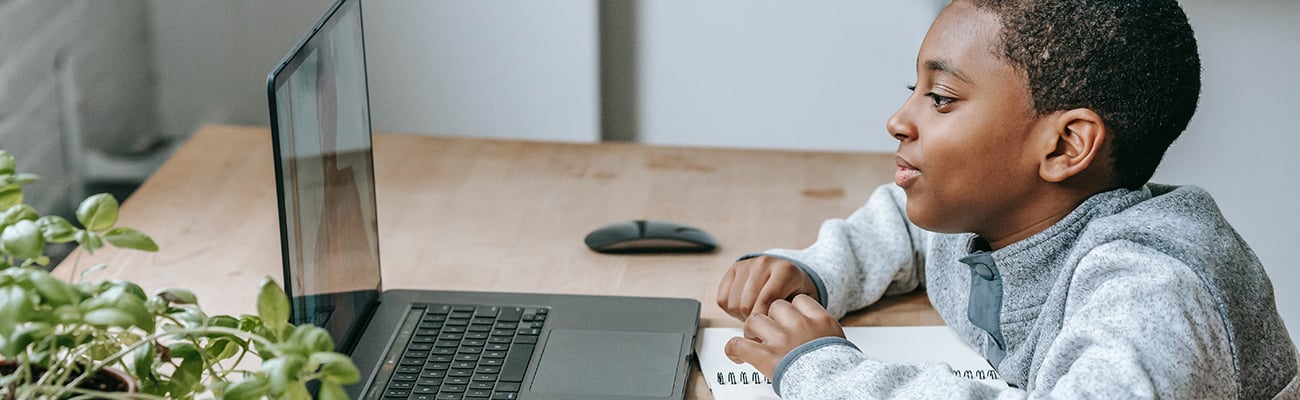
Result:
[[325, 176]]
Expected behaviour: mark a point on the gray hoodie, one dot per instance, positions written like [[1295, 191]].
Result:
[[1136, 294]]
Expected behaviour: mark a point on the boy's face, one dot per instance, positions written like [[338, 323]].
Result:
[[963, 154]]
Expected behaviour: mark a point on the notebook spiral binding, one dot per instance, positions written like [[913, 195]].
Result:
[[732, 378]]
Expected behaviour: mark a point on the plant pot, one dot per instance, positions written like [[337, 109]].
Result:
[[106, 380]]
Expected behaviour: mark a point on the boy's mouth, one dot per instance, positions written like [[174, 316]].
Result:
[[906, 172]]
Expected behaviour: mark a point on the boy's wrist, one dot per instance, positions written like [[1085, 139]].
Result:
[[800, 351]]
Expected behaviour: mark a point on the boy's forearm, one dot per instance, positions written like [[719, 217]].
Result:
[[859, 259]]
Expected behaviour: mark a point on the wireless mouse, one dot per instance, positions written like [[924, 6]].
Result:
[[648, 236]]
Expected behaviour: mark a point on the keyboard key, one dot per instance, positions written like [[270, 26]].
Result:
[[462, 308], [480, 328], [429, 381], [508, 387], [486, 311], [437, 309], [530, 331], [516, 362], [467, 357], [457, 322], [505, 396], [485, 378], [478, 393], [526, 339], [459, 380], [487, 369], [397, 393], [492, 346], [453, 329], [510, 314], [425, 390], [449, 396], [477, 335], [441, 358], [401, 386], [492, 362], [408, 369], [460, 373], [453, 388], [438, 366], [507, 325], [461, 315], [482, 385], [462, 365], [433, 374], [503, 332], [494, 354], [469, 349], [405, 377]]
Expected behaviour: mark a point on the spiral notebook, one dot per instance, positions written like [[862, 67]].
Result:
[[900, 344]]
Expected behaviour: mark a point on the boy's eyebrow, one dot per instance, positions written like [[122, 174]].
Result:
[[942, 65]]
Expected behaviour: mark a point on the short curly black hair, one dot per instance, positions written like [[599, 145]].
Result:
[[1133, 62]]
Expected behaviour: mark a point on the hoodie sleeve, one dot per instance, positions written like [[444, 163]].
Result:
[[855, 261], [1139, 324]]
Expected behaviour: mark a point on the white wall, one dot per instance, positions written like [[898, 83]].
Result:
[[516, 68], [776, 74], [212, 57], [1242, 143]]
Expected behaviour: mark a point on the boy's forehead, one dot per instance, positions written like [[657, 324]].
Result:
[[961, 41]]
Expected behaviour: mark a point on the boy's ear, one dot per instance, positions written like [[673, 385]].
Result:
[[1080, 137]]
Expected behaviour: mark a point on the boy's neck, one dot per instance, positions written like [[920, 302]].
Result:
[[1046, 209]]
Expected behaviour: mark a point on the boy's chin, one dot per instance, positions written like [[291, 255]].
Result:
[[924, 218]]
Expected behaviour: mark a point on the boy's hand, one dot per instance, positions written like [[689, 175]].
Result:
[[751, 285], [770, 337]]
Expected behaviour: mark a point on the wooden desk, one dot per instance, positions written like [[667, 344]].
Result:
[[499, 215]]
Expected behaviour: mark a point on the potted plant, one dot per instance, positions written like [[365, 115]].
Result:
[[109, 339]]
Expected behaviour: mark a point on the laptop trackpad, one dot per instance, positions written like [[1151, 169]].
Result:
[[609, 363]]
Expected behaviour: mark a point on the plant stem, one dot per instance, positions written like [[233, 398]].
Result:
[[150, 338]]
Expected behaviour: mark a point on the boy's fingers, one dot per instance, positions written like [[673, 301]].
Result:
[[808, 306], [741, 350], [781, 310], [724, 289], [754, 283]]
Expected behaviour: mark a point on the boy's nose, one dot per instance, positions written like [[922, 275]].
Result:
[[900, 125]]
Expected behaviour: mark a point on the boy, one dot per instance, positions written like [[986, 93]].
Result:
[[1023, 160]]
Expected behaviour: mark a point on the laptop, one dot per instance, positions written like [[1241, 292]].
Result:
[[414, 344]]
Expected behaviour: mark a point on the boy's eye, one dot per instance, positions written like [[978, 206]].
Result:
[[940, 101]]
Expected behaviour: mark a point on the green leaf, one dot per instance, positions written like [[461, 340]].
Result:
[[17, 213], [331, 391], [10, 196], [128, 238], [15, 306], [284, 372], [143, 361], [89, 240], [312, 338], [53, 291], [336, 368], [98, 213], [24, 336], [105, 317], [56, 229], [251, 388], [22, 240], [178, 296], [7, 162], [186, 376], [273, 306], [223, 348]]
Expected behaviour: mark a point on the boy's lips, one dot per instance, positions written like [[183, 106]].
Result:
[[906, 172]]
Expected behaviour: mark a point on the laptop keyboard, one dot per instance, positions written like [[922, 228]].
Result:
[[466, 352]]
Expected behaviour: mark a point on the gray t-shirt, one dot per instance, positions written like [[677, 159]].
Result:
[[1136, 294]]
